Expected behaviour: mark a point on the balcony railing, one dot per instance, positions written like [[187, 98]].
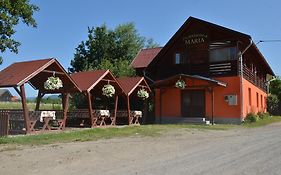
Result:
[[249, 75]]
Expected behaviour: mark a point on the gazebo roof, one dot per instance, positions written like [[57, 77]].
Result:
[[36, 73], [87, 80], [129, 84]]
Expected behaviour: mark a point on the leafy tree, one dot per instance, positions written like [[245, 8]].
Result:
[[274, 99], [11, 12], [273, 104], [109, 49]]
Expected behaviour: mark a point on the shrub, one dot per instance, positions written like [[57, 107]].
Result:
[[273, 104], [263, 115], [251, 117]]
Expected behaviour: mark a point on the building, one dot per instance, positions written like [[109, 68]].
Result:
[[5, 95], [220, 73]]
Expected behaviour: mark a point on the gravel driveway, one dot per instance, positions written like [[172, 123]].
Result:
[[183, 151]]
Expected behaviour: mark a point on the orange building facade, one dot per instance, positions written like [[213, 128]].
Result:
[[224, 76]]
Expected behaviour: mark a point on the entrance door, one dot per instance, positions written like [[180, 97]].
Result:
[[193, 103]]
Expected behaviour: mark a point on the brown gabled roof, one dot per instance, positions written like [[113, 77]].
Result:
[[129, 84], [87, 80], [144, 57], [36, 73], [20, 72]]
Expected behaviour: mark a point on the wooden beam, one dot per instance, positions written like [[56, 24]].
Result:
[[108, 80], [51, 72], [38, 100], [18, 91], [65, 104], [128, 109], [115, 108], [213, 104], [90, 109], [25, 109]]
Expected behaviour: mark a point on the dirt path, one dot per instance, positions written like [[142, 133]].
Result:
[[184, 151]]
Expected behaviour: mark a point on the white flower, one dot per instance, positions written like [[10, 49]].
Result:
[[142, 93], [180, 84], [53, 83], [108, 90]]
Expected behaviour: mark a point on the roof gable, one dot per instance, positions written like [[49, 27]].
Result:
[[129, 84], [204, 26], [35, 73], [87, 80]]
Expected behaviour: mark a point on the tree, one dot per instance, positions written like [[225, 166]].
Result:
[[109, 49], [11, 12], [274, 99]]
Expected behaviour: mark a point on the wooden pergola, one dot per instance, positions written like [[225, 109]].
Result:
[[130, 86], [91, 84], [35, 73]]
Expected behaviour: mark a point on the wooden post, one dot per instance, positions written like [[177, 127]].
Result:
[[65, 103], [38, 100], [160, 106], [25, 109], [88, 94], [115, 108], [213, 96], [128, 108]]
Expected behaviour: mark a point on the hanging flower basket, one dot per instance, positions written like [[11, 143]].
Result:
[[108, 90], [180, 84], [53, 83], [142, 93]]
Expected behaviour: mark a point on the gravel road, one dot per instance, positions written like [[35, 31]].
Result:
[[184, 151]]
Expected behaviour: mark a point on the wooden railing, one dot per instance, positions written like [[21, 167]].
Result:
[[12, 121], [223, 68], [249, 75]]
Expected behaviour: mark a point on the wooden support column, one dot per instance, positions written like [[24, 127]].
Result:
[[25, 109], [128, 109], [213, 104], [38, 100], [115, 108], [65, 104], [90, 109], [160, 106]]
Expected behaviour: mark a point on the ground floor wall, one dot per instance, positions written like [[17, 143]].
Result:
[[168, 105], [254, 98]]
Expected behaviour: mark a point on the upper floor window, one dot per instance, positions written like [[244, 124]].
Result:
[[223, 54], [178, 58]]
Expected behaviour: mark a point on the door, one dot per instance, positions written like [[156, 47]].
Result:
[[193, 103]]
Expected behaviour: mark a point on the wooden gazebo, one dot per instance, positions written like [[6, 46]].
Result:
[[131, 85], [36, 73], [91, 84]]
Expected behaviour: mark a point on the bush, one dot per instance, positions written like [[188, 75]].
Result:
[[251, 117], [273, 104], [263, 115]]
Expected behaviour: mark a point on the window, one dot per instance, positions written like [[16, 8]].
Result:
[[261, 102], [177, 58], [257, 99], [223, 54], [250, 97]]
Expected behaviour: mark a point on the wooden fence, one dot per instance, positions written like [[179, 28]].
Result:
[[4, 124]]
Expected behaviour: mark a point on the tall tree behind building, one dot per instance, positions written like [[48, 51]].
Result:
[[109, 49]]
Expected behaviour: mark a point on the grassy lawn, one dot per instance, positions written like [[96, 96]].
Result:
[[263, 122], [31, 106], [126, 131], [102, 133]]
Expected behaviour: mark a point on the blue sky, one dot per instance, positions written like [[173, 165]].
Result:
[[62, 24]]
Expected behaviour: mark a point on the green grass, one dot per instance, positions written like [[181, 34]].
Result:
[[31, 106], [263, 122], [102, 133], [126, 131]]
